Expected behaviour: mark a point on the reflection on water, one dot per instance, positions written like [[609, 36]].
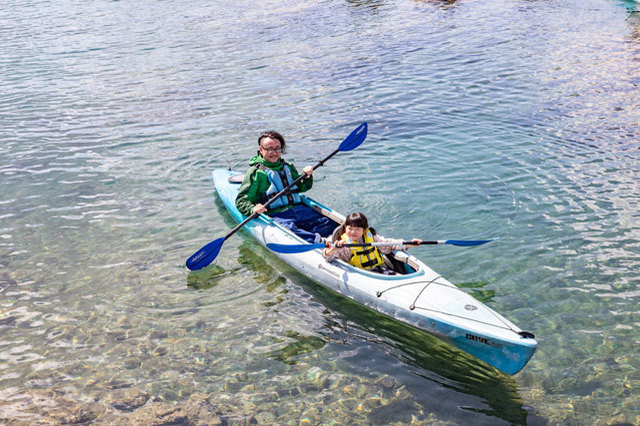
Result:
[[300, 345], [476, 290], [205, 278], [486, 118], [440, 3]]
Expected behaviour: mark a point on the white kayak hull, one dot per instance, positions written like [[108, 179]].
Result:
[[421, 298]]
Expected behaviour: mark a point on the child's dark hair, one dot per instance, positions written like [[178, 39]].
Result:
[[356, 219]]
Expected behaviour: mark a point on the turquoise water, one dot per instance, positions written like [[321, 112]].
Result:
[[509, 119]]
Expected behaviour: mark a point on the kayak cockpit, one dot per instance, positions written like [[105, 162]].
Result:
[[399, 261]]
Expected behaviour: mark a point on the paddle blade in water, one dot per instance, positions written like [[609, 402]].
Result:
[[355, 139], [205, 255], [467, 243], [294, 248]]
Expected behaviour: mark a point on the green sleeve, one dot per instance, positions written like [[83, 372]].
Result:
[[256, 183], [304, 184], [250, 190]]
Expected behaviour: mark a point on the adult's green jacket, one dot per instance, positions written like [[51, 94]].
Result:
[[256, 182]]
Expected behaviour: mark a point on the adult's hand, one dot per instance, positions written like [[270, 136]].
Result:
[[308, 170]]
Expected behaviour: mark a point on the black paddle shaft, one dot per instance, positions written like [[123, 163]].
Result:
[[280, 194], [393, 243]]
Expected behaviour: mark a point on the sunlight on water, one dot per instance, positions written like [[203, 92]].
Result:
[[516, 120]]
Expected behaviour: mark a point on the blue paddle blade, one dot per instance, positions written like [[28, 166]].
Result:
[[467, 243], [294, 248], [205, 255], [355, 139]]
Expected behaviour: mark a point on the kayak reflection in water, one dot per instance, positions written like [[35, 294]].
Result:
[[269, 174], [355, 229]]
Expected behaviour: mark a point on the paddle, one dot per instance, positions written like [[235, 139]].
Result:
[[301, 248], [210, 251]]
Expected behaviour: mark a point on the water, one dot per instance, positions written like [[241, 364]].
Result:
[[510, 119]]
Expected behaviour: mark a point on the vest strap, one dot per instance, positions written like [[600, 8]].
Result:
[[279, 180]]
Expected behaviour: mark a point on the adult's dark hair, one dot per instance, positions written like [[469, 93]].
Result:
[[272, 134], [355, 219]]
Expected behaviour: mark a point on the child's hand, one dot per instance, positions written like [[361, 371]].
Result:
[[332, 248]]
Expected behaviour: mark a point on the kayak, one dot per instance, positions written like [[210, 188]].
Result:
[[416, 295]]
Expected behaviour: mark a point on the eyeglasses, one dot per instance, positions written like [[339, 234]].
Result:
[[271, 149]]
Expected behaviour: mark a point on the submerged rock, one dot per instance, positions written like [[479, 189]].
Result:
[[128, 400], [40, 406]]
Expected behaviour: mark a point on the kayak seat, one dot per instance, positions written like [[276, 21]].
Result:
[[236, 179], [398, 265]]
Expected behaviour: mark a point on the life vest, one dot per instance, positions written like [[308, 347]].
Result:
[[364, 257], [279, 181]]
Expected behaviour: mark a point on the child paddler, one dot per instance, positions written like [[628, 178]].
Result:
[[354, 230]]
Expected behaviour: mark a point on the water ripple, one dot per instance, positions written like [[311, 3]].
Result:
[[486, 119]]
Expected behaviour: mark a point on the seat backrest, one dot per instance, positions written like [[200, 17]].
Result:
[[236, 178]]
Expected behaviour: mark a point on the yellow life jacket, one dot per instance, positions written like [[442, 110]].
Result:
[[364, 257]]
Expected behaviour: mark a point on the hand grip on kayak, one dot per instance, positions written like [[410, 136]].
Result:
[[209, 252], [301, 248]]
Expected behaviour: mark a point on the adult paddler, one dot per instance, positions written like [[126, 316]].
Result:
[[268, 174]]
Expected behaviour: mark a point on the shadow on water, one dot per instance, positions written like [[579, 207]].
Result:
[[300, 345], [368, 4], [444, 4], [431, 358]]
